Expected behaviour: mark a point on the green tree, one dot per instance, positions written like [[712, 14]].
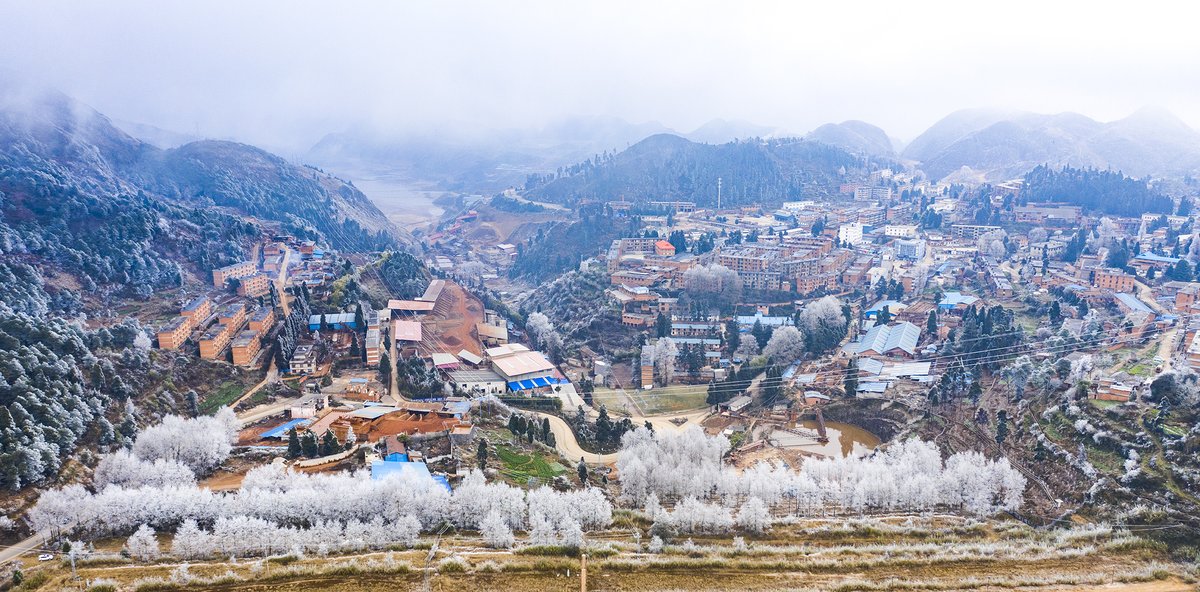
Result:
[[329, 444], [293, 449], [850, 384], [1001, 426], [931, 325], [662, 325], [546, 430], [309, 446], [583, 472], [733, 337]]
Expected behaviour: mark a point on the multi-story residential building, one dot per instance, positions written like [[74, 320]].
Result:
[[850, 233], [1113, 279], [262, 320], [748, 257], [971, 231], [214, 340], [373, 343], [1048, 214], [911, 249], [197, 310], [245, 348], [304, 360], [696, 328], [865, 193], [900, 230], [233, 315], [235, 271], [253, 286], [174, 333]]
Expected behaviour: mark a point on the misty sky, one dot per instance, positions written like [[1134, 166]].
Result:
[[283, 74]]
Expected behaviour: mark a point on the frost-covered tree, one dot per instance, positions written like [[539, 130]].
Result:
[[124, 469], [754, 516], [665, 354], [713, 286], [823, 323], [785, 346], [190, 542], [143, 545], [570, 534], [496, 532], [201, 443]]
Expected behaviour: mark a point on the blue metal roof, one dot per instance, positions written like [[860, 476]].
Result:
[[1157, 258], [281, 431]]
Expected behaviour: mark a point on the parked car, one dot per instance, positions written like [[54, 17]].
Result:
[[45, 557]]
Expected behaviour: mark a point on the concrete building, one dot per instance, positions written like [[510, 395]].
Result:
[[262, 320], [235, 271], [173, 335], [900, 230], [304, 360], [253, 286], [245, 348], [214, 340], [850, 233], [913, 250]]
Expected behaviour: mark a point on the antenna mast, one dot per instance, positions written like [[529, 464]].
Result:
[[718, 193]]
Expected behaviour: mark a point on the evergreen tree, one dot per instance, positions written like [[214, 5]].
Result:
[[662, 325], [1001, 426], [931, 325], [850, 384], [583, 472], [329, 444], [293, 449], [309, 446]]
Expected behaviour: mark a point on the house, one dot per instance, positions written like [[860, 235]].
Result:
[[304, 360], [1117, 386]]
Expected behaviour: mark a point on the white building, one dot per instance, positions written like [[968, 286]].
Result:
[[850, 233], [900, 230], [910, 249]]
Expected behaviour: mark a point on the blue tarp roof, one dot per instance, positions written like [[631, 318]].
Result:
[[282, 430]]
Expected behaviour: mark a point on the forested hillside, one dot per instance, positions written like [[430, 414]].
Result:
[[667, 167], [54, 146], [1107, 192], [91, 219], [563, 245]]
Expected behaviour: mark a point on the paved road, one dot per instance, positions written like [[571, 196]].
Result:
[[33, 543]]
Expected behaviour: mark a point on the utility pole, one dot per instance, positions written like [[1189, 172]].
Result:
[[583, 573], [718, 194]]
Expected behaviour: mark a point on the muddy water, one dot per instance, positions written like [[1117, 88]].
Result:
[[844, 439]]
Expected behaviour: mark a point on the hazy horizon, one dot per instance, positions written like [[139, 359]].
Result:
[[284, 75]]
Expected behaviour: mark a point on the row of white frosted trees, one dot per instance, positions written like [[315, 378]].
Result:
[[277, 510]]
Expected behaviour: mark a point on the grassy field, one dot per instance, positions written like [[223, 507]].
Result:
[[520, 467], [657, 401], [934, 552], [227, 392]]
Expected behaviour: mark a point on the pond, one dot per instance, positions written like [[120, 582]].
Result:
[[844, 439]]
